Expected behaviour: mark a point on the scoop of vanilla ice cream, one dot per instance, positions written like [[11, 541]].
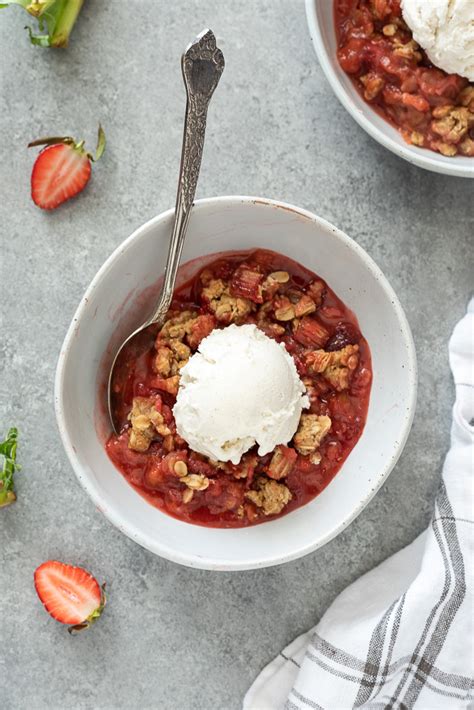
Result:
[[445, 30], [239, 389]]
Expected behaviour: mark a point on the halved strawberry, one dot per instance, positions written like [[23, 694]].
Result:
[[71, 595], [62, 169]]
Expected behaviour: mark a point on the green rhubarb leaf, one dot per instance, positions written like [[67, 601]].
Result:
[[8, 451]]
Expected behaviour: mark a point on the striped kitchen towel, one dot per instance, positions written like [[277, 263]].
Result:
[[401, 636]]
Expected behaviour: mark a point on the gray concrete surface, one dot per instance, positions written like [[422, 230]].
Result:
[[173, 638]]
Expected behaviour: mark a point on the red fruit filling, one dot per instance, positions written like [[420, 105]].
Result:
[[291, 305], [431, 109]]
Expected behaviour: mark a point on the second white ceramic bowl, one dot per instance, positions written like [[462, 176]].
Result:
[[320, 15], [120, 297]]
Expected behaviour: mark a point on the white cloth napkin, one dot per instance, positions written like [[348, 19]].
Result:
[[401, 636]]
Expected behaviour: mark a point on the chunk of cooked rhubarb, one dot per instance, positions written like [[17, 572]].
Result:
[[316, 290], [160, 471], [200, 464], [310, 333], [273, 330], [166, 384], [282, 462], [247, 283], [225, 495], [244, 469]]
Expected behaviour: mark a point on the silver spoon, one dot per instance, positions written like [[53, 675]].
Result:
[[202, 65]]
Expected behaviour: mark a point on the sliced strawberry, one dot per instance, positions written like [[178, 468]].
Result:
[[71, 595], [61, 170]]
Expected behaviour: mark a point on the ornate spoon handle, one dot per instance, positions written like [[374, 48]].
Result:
[[202, 65]]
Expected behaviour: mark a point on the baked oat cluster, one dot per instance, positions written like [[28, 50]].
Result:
[[305, 316]]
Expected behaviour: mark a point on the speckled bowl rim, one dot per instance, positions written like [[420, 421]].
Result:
[[421, 157], [153, 544]]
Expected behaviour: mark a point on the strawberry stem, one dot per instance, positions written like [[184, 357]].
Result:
[[53, 140], [100, 146], [79, 146]]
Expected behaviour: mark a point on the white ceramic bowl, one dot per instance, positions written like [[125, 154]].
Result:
[[320, 16], [120, 297]]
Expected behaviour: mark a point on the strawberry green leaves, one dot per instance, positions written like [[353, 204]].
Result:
[[8, 451], [56, 19], [79, 146]]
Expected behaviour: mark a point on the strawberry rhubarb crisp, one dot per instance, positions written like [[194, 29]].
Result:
[[431, 108], [247, 401]]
